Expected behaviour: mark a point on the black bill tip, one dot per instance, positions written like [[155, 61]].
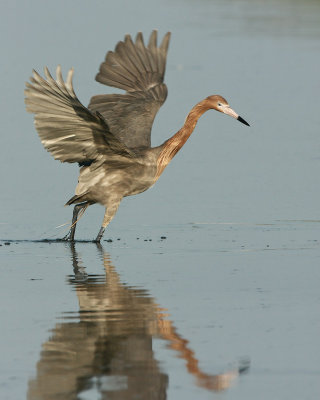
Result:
[[242, 120]]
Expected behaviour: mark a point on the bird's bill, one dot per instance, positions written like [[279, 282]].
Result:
[[242, 120], [232, 113]]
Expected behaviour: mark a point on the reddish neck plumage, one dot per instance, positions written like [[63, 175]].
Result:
[[174, 144]]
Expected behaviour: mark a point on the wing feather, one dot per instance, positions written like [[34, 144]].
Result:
[[139, 70], [67, 129]]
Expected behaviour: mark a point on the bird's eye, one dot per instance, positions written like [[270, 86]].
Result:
[[219, 105]]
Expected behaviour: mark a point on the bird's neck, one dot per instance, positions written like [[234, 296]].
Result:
[[171, 147]]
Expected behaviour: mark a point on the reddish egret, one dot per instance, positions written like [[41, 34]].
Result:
[[111, 138]]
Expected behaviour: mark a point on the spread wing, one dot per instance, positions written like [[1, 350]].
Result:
[[139, 70], [67, 129]]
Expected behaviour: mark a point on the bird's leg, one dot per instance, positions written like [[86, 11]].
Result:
[[100, 234], [77, 208], [108, 215]]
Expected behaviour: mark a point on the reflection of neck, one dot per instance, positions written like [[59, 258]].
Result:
[[135, 313], [210, 382], [174, 144]]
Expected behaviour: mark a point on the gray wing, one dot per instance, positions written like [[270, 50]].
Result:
[[67, 129], [139, 70]]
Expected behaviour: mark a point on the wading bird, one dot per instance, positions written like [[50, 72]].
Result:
[[111, 138]]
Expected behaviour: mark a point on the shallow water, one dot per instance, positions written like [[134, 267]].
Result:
[[212, 271], [155, 317]]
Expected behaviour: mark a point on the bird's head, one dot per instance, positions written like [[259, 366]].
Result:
[[218, 103]]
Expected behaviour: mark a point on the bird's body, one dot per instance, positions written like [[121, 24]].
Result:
[[111, 138], [102, 182]]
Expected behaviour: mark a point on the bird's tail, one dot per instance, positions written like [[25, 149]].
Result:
[[78, 198]]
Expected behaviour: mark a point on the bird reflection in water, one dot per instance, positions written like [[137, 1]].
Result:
[[107, 346]]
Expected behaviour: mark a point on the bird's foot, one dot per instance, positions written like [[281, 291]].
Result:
[[67, 238], [100, 234]]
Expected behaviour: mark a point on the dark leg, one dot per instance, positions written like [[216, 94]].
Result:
[[100, 234], [77, 208]]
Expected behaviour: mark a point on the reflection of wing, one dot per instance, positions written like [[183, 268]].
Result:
[[66, 128], [106, 348], [139, 70]]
